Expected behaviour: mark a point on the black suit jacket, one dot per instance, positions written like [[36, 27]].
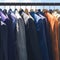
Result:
[[3, 41], [32, 42]]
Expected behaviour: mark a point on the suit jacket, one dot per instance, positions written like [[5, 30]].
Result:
[[54, 34], [47, 34], [41, 28], [21, 39], [3, 41], [11, 39]]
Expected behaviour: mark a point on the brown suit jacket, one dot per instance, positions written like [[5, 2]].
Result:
[[54, 34]]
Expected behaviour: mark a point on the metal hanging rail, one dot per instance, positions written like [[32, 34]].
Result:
[[29, 4]]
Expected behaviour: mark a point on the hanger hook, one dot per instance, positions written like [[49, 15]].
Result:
[[25, 6], [54, 6], [31, 7], [15, 6], [35, 8], [43, 6], [49, 6], [4, 7], [9, 7], [20, 6]]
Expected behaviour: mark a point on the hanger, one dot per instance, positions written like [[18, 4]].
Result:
[[50, 10], [26, 11], [15, 9], [20, 9], [54, 10], [36, 10], [4, 7], [17, 13], [5, 11], [43, 10], [54, 6], [31, 9], [10, 8], [49, 7]]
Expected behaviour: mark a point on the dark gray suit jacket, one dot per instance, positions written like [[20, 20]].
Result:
[[21, 40]]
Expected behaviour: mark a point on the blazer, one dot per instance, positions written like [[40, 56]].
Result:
[[47, 34], [11, 39], [41, 28], [21, 39], [3, 41], [54, 34]]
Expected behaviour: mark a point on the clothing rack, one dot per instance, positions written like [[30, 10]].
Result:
[[29, 4]]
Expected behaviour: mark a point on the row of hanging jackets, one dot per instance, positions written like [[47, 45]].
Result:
[[33, 36]]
